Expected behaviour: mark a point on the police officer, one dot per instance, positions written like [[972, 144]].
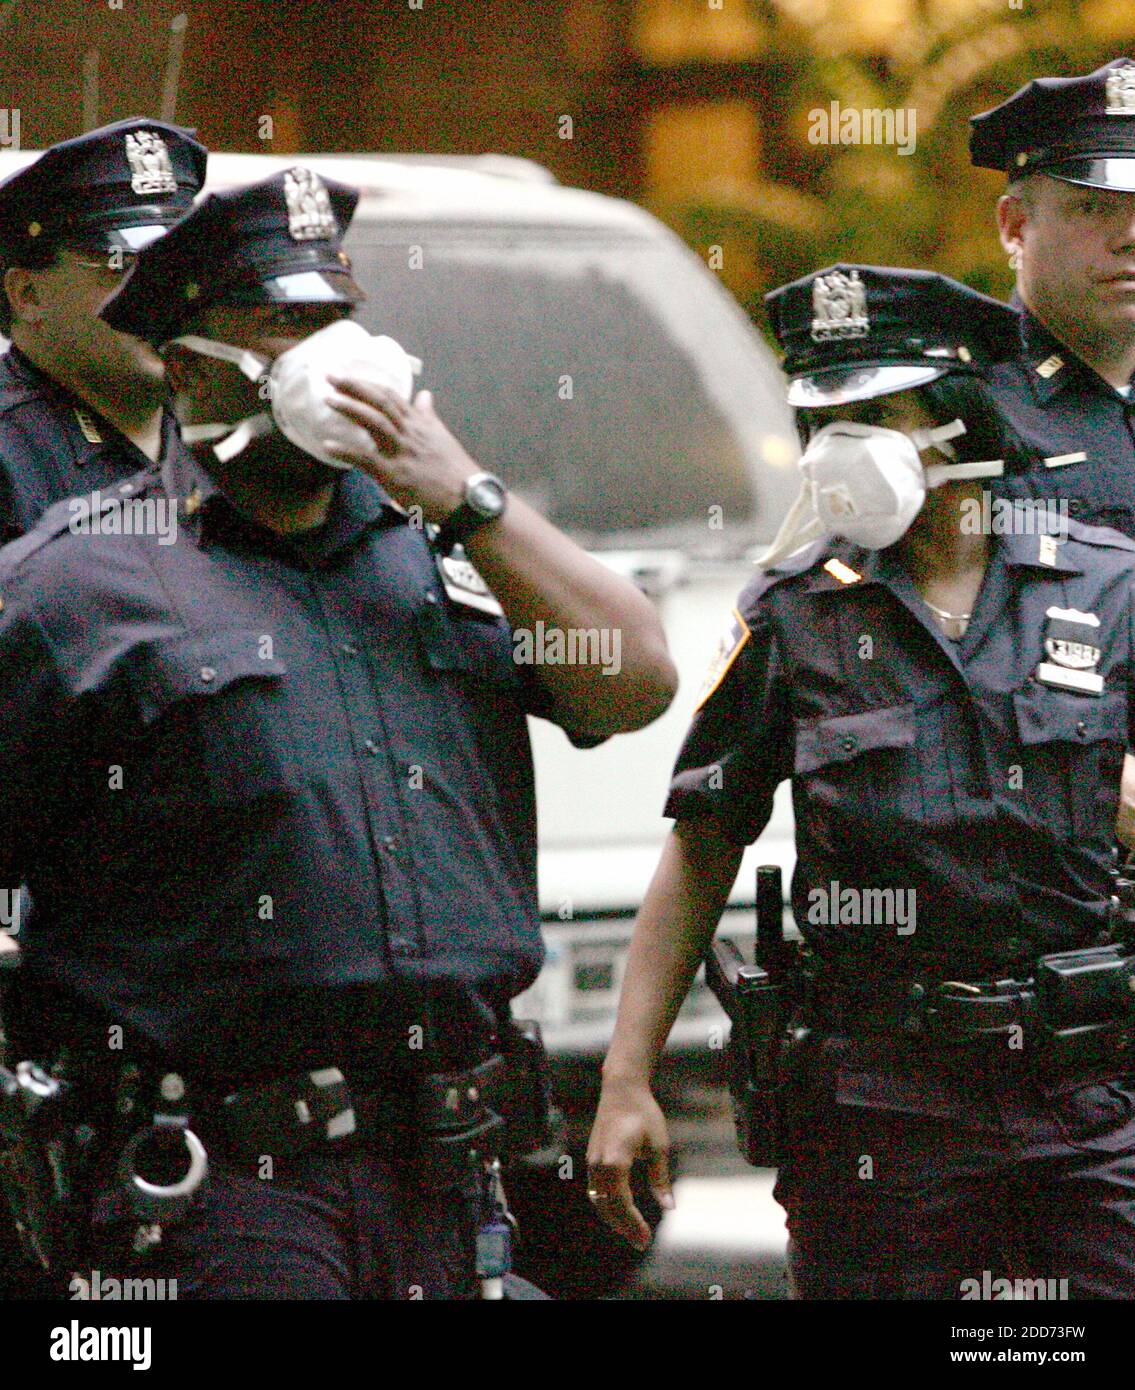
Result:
[[81, 405], [294, 860], [950, 695], [1067, 220]]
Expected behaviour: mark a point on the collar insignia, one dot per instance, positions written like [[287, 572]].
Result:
[[90, 430], [844, 573]]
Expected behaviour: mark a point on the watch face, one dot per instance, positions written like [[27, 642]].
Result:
[[487, 497]]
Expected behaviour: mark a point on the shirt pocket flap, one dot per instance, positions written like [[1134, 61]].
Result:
[[467, 645], [199, 664], [1048, 716], [846, 736]]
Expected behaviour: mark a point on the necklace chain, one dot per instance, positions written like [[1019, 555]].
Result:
[[948, 617]]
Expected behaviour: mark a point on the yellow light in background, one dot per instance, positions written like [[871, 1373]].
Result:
[[871, 26], [1107, 20], [682, 31], [777, 451], [691, 149], [945, 10]]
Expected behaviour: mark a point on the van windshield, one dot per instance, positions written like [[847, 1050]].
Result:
[[608, 378]]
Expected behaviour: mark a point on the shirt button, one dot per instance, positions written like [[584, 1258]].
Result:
[[390, 844], [208, 673], [348, 649], [849, 745], [370, 745], [1081, 727]]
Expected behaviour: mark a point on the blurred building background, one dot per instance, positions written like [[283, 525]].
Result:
[[700, 109]]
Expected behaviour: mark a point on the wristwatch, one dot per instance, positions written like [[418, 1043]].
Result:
[[485, 499]]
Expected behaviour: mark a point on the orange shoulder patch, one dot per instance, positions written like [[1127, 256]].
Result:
[[729, 646]]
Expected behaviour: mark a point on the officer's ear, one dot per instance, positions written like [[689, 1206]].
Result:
[[1013, 212], [22, 287]]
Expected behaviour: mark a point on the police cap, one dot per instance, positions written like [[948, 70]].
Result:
[[118, 187], [855, 331], [274, 242], [1080, 129]]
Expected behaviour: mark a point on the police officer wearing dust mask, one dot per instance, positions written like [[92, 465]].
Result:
[[949, 690], [310, 896]]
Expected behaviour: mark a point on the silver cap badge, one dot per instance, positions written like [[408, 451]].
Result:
[[839, 307], [150, 167], [310, 217], [1121, 91]]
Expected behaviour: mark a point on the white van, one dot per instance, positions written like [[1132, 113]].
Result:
[[581, 350]]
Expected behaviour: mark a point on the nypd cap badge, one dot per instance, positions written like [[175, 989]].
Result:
[[310, 216], [839, 306], [1120, 88], [151, 170]]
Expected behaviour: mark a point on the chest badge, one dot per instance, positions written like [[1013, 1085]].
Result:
[[465, 586], [1071, 642]]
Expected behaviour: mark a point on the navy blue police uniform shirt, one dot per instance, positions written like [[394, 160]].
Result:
[[53, 445], [1079, 429], [322, 762], [921, 764]]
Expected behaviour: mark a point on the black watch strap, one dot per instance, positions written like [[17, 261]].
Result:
[[465, 519], [459, 525]]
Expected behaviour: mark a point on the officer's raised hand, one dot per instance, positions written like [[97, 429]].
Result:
[[420, 462], [629, 1125], [539, 575]]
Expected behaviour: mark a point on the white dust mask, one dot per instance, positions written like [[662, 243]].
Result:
[[868, 484], [298, 392]]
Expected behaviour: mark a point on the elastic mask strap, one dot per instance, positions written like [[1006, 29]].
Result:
[[799, 528], [938, 436], [250, 363], [234, 438], [939, 473]]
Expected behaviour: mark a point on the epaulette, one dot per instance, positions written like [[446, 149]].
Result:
[[1098, 535], [58, 517]]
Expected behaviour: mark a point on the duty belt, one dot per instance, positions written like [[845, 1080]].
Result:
[[1033, 1021], [922, 1006], [299, 1113]]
